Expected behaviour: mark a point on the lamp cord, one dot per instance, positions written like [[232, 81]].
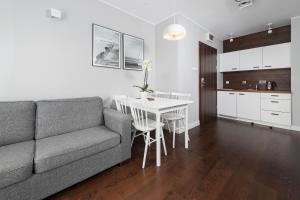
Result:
[[174, 8]]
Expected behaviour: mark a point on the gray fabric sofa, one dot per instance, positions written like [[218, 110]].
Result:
[[47, 146]]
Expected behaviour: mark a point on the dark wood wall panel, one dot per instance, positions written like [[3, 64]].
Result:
[[282, 78], [260, 39]]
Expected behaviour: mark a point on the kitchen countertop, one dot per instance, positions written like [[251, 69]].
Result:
[[258, 91]]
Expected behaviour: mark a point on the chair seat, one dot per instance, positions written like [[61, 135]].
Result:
[[172, 116], [151, 126], [16, 162], [56, 151]]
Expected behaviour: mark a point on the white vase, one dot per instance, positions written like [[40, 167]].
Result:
[[144, 95]]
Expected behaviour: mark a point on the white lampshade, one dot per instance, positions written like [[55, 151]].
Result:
[[174, 32]]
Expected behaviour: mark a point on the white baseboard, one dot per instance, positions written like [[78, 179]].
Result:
[[194, 124], [292, 128], [295, 128]]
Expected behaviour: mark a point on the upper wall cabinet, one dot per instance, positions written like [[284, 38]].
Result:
[[251, 59], [277, 56], [229, 61], [269, 57]]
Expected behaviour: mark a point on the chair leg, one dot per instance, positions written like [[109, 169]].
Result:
[[163, 140], [133, 136], [188, 133], [184, 127], [174, 133], [168, 126], [146, 149]]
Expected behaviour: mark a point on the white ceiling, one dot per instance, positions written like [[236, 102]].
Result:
[[221, 17]]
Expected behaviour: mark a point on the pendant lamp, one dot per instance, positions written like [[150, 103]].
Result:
[[174, 31]]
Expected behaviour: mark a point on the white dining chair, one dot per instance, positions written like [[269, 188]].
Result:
[[176, 116], [123, 106], [145, 125], [160, 94], [121, 103]]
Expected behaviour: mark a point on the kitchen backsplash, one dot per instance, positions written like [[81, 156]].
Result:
[[280, 78]]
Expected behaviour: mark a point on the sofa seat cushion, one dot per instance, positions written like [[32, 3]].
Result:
[[56, 151], [16, 162]]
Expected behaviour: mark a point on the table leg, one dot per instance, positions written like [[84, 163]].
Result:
[[186, 137], [157, 135]]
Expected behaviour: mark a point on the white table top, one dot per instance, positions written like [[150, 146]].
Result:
[[162, 103]]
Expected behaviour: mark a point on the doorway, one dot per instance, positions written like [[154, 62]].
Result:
[[207, 83]]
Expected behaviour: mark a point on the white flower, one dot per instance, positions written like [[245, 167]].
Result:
[[147, 65]]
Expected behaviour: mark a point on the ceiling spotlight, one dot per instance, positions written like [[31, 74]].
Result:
[[270, 31], [231, 37]]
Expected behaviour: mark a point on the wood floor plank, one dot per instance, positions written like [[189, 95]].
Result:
[[226, 160]]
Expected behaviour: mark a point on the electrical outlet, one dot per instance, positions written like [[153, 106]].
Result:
[[262, 82], [244, 82], [227, 82]]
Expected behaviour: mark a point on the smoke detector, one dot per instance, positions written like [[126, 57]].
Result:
[[244, 3]]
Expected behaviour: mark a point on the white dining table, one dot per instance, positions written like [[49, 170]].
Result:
[[158, 106]]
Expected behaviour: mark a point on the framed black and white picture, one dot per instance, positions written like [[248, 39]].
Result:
[[133, 52], [106, 47]]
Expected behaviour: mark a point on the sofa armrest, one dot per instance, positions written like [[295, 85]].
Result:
[[120, 123]]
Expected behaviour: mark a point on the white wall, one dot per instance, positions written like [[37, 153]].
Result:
[[166, 54], [6, 46], [178, 62], [295, 79], [44, 59]]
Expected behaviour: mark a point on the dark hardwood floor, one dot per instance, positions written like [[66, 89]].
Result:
[[226, 160]]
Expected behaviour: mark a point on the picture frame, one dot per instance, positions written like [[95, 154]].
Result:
[[106, 47], [133, 52]]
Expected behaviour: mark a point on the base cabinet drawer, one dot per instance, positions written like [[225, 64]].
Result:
[[276, 118], [276, 105], [275, 96]]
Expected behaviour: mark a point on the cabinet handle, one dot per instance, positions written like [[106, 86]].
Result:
[[231, 93], [268, 66], [273, 95], [256, 67], [234, 68], [274, 101], [275, 114], [241, 94]]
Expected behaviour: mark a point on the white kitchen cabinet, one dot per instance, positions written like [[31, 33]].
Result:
[[277, 118], [277, 56], [277, 96], [276, 108], [229, 61], [251, 59], [227, 103], [248, 105], [276, 105], [271, 108]]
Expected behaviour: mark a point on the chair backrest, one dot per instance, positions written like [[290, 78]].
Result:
[[121, 103], [180, 96], [159, 94], [139, 115]]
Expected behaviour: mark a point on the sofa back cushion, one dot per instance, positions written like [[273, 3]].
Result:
[[17, 121], [56, 117]]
